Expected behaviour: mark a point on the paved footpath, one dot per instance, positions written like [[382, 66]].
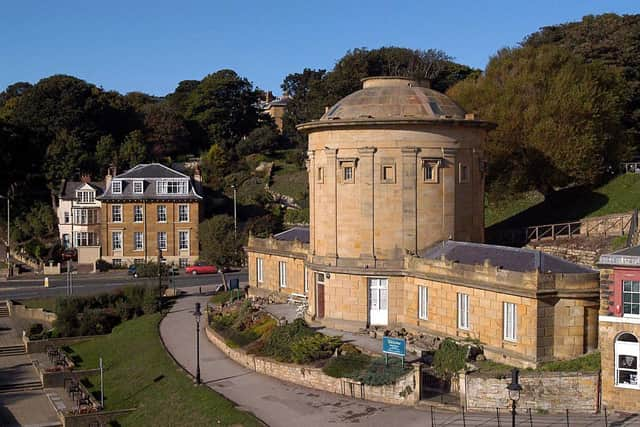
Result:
[[281, 404]]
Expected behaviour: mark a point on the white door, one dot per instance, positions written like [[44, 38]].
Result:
[[378, 301]]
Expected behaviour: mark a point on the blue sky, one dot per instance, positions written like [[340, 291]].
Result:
[[150, 46]]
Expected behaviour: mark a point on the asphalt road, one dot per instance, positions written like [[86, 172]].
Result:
[[88, 284]]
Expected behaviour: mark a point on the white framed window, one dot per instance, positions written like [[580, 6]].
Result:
[[347, 174], [627, 351], [463, 171], [183, 262], [631, 298], [183, 240], [463, 311], [116, 262], [85, 238], [67, 217], [116, 187], [116, 213], [172, 187], [138, 215], [430, 170], [138, 241], [510, 321], [162, 213], [138, 187], [85, 216], [306, 280], [138, 261], [282, 274], [116, 240], [162, 240], [423, 303], [183, 213], [85, 196], [259, 270]]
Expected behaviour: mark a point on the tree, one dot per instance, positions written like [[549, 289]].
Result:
[[449, 359], [264, 139], [132, 150], [225, 105], [559, 118], [165, 131], [214, 167], [218, 244], [106, 152], [66, 156]]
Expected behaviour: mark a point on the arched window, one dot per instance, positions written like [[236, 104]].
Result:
[[627, 351]]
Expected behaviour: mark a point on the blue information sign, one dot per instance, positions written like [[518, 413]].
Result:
[[394, 346]]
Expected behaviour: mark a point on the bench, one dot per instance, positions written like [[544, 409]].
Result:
[[295, 298]]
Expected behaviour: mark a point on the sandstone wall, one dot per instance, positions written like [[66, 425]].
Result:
[[545, 391]]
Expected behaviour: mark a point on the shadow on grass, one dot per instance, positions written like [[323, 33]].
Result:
[[567, 205]]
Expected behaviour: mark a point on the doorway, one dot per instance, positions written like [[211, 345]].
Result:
[[378, 302], [320, 295]]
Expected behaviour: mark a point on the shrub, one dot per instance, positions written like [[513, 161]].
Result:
[[347, 365], [278, 344], [449, 359], [314, 347], [380, 373], [36, 331]]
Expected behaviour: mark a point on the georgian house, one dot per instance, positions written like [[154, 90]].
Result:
[[150, 211], [79, 216]]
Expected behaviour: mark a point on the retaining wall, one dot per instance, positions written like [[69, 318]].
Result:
[[405, 392], [40, 346], [35, 314], [544, 391]]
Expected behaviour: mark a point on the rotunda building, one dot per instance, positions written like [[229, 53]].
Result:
[[393, 168]]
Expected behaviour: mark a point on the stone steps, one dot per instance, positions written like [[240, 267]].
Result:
[[12, 350], [28, 385], [4, 309]]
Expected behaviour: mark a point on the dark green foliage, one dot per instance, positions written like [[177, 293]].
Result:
[[132, 150], [219, 245], [150, 269], [449, 359], [314, 347], [98, 314], [264, 139], [279, 344], [347, 364], [35, 331], [379, 373]]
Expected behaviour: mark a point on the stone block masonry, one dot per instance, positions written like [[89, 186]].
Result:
[[544, 391], [405, 391]]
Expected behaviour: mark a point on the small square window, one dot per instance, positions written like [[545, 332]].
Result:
[[116, 187], [116, 262], [183, 262], [138, 261], [463, 173], [388, 174], [138, 187], [320, 175], [347, 173], [430, 171]]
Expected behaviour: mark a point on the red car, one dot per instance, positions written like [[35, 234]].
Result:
[[201, 268]]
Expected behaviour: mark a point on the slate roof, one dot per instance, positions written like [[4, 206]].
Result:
[[508, 258], [624, 257], [149, 173], [296, 233], [68, 188]]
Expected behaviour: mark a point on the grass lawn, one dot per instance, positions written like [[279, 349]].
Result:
[[290, 180], [140, 374], [621, 194], [48, 304]]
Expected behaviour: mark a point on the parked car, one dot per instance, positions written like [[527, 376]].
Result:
[[133, 270], [201, 268]]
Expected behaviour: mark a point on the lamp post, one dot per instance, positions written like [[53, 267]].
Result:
[[514, 394], [8, 234], [235, 212], [197, 313]]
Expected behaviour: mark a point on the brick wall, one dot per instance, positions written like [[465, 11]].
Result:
[[544, 391], [404, 392]]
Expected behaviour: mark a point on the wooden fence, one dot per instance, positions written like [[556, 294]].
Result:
[[610, 225]]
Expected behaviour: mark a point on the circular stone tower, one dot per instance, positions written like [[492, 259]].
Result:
[[393, 167]]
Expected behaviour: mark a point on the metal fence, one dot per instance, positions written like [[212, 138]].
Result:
[[527, 417]]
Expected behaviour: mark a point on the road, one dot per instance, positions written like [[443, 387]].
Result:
[[88, 284]]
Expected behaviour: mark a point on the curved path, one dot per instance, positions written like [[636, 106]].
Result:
[[282, 404]]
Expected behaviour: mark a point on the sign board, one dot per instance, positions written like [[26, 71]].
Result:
[[394, 346], [234, 284]]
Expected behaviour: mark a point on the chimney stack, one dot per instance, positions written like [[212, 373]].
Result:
[[85, 178]]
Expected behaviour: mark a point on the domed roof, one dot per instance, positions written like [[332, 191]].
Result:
[[394, 98]]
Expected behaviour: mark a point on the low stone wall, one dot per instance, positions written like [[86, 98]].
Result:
[[405, 392], [588, 258], [35, 314], [40, 346], [543, 391], [100, 418]]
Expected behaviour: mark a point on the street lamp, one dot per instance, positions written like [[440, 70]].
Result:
[[8, 234], [235, 212], [514, 394], [197, 315]]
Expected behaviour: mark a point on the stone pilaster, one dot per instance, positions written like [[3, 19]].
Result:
[[331, 182], [311, 171], [409, 199], [449, 183], [366, 183]]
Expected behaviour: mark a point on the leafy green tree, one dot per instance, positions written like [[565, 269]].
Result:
[[106, 152], [66, 156], [218, 244], [449, 359], [215, 164], [166, 132], [264, 139], [225, 105], [559, 118], [132, 150]]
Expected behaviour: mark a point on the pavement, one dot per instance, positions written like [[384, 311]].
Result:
[[282, 404]]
